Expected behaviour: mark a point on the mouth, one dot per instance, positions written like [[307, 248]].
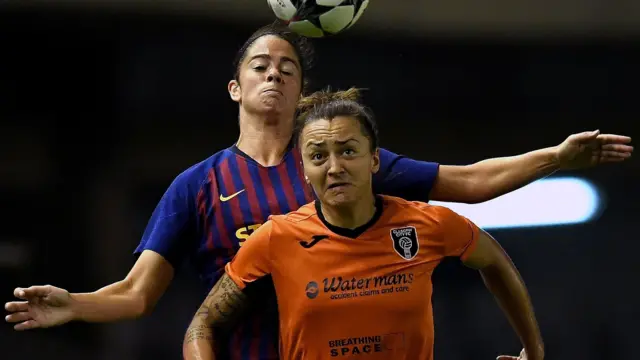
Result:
[[338, 185], [272, 91]]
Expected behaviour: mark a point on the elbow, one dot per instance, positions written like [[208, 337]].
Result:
[[539, 349], [478, 187], [476, 191], [140, 302], [190, 349], [143, 307], [482, 193], [462, 184], [198, 342], [476, 198]]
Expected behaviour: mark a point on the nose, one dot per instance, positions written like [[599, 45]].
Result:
[[275, 76], [335, 166]]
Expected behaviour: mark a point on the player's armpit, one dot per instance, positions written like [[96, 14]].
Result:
[[219, 311]]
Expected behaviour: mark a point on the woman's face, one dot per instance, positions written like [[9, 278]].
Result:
[[270, 78], [338, 161]]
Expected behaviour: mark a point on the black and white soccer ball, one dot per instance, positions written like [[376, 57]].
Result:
[[318, 18]]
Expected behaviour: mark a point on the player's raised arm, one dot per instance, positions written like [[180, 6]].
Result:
[[491, 178], [503, 280]]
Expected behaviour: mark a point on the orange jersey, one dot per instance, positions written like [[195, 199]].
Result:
[[363, 293]]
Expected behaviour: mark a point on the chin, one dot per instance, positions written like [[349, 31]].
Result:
[[339, 200], [271, 103]]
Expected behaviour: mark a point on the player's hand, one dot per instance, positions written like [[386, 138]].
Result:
[[591, 148], [42, 306], [523, 356]]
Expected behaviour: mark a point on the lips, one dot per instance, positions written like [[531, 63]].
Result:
[[337, 184], [273, 91]]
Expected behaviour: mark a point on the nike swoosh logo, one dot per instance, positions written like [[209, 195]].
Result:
[[227, 198], [314, 240]]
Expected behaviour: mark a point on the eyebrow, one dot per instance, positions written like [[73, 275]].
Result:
[[322, 142], [346, 141], [268, 57]]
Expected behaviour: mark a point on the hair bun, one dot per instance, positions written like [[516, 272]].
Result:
[[306, 103]]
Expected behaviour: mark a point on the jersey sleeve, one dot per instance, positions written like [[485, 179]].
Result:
[[253, 260], [170, 230], [403, 177], [459, 234]]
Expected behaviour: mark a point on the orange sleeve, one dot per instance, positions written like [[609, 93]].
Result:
[[460, 235], [253, 260]]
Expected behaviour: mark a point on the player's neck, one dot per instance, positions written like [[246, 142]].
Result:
[[350, 217], [265, 141]]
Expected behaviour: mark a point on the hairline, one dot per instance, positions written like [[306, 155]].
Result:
[[280, 36]]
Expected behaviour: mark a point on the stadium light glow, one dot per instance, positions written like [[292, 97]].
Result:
[[546, 202]]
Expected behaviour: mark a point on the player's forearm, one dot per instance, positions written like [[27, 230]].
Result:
[[498, 176], [198, 342], [505, 283], [114, 302], [219, 311]]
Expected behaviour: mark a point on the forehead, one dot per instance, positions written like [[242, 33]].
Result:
[[341, 128], [273, 46]]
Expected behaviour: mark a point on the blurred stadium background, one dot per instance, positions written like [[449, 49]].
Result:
[[103, 102]]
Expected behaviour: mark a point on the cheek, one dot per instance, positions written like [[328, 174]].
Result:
[[248, 83], [365, 169], [315, 175], [294, 87]]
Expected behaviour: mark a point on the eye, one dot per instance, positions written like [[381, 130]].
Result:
[[349, 152], [288, 69], [316, 156], [260, 68]]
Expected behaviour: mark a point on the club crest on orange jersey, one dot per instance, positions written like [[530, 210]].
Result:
[[405, 242]]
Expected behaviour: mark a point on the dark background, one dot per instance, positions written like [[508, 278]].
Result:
[[101, 109]]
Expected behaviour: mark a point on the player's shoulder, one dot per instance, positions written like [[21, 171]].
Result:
[[214, 160], [303, 214], [399, 204], [305, 219], [416, 209], [199, 173]]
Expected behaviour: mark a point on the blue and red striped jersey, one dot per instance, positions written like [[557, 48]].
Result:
[[212, 207]]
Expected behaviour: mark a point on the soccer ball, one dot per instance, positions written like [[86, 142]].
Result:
[[318, 18]]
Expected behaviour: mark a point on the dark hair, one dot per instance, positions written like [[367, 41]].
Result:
[[328, 105], [301, 45]]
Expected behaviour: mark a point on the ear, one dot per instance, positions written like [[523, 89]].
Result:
[[234, 90], [375, 161]]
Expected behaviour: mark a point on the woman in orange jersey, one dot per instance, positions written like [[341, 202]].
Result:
[[352, 270]]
